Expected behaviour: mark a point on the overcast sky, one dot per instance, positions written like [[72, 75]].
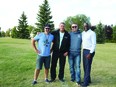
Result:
[[97, 10]]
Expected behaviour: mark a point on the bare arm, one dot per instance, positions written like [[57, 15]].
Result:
[[34, 46], [51, 50]]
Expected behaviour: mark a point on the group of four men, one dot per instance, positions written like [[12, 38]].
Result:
[[64, 44]]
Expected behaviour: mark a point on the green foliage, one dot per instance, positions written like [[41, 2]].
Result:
[[14, 32], [78, 19], [114, 34], [44, 17], [22, 27], [30, 28], [0, 31], [108, 32], [2, 34], [100, 33], [7, 34]]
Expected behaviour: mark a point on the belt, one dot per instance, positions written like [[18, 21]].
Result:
[[86, 49]]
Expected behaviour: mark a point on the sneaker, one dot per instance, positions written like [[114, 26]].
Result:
[[34, 82], [72, 80], [78, 83], [52, 80], [62, 80], [83, 85], [47, 81]]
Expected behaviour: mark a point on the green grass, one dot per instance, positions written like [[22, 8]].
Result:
[[17, 64]]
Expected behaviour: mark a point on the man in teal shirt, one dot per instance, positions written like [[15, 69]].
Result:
[[75, 54], [43, 52]]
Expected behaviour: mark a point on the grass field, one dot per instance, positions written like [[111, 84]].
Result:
[[17, 64]]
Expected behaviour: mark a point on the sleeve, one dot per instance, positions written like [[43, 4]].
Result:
[[93, 40], [53, 32], [52, 38], [37, 37], [68, 44]]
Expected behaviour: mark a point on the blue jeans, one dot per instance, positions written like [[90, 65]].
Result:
[[74, 64]]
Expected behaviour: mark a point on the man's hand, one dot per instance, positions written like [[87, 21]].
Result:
[[51, 50], [37, 51], [89, 56], [66, 53], [38, 33]]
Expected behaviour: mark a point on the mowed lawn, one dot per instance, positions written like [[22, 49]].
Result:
[[17, 64]]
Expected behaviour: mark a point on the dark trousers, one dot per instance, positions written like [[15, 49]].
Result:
[[87, 66], [62, 60]]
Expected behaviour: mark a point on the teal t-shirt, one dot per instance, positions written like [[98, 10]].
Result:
[[44, 43]]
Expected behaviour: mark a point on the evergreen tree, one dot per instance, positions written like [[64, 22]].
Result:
[[114, 34], [100, 33], [108, 32], [44, 17], [22, 27]]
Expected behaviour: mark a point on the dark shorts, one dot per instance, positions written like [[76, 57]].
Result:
[[43, 59]]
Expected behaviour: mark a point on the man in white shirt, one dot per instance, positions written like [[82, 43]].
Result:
[[89, 44]]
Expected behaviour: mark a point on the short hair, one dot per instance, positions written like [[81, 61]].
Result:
[[62, 23], [88, 24], [47, 25], [74, 23]]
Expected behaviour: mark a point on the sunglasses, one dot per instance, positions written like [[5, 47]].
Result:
[[74, 26], [47, 28]]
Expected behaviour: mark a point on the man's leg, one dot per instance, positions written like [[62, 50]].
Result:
[[53, 65], [47, 66], [71, 66], [77, 68], [46, 73], [90, 63], [88, 68], [62, 61], [84, 62], [36, 74], [39, 63]]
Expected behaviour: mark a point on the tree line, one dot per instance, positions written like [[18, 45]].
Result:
[[104, 33]]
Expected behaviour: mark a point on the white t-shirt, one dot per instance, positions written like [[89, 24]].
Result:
[[61, 38]]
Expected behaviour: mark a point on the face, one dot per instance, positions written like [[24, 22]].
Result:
[[62, 27], [86, 27], [47, 29], [74, 27]]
